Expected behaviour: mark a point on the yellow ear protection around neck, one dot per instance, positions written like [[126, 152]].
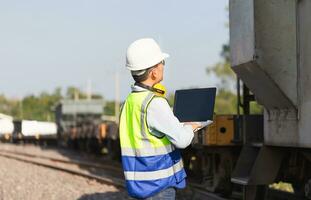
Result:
[[152, 89]]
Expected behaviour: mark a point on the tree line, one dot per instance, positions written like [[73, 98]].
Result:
[[40, 107]]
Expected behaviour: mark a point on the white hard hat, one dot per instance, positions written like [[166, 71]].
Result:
[[144, 53]]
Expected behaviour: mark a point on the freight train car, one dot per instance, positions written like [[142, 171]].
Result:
[[81, 126], [6, 130], [6, 127], [270, 45], [270, 52], [31, 131], [109, 139], [244, 154], [78, 123]]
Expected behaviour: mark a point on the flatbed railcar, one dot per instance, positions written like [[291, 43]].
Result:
[[31, 131], [6, 130]]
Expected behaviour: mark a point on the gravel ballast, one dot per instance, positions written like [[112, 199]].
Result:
[[23, 181]]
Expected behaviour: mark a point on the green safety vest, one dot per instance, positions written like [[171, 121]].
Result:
[[150, 163], [135, 133]]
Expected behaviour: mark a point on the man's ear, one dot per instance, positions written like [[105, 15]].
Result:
[[153, 74]]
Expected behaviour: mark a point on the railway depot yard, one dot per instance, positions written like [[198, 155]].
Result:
[[226, 117]]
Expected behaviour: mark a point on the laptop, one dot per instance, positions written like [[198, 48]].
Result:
[[195, 105]]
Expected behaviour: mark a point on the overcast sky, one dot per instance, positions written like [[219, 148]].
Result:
[[48, 44]]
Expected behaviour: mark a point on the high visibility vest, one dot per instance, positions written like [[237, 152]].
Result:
[[150, 164]]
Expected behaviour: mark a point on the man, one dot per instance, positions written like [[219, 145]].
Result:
[[150, 134]]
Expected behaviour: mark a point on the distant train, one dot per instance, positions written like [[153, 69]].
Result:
[[27, 131], [6, 129], [81, 126], [31, 131]]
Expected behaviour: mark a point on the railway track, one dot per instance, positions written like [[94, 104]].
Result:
[[106, 173], [68, 161], [102, 173]]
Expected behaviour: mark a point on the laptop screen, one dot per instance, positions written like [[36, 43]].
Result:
[[194, 105]]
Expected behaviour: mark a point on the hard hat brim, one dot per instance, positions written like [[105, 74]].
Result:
[[165, 55], [158, 60]]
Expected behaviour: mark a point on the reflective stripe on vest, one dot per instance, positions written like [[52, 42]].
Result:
[[145, 141], [154, 175], [142, 152]]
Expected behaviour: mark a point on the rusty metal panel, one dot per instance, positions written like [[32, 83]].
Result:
[[252, 167], [304, 20], [210, 134], [265, 89], [225, 129], [281, 128], [259, 44], [276, 41], [219, 133], [242, 41], [275, 64]]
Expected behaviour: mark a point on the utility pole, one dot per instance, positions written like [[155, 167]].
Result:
[[76, 95], [89, 89], [21, 113], [117, 97]]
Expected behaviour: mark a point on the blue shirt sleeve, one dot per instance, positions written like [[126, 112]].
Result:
[[161, 121]]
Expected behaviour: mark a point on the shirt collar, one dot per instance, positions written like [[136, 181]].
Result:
[[136, 88]]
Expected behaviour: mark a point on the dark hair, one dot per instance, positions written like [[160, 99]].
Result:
[[141, 75]]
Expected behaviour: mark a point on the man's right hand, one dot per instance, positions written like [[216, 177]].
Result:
[[194, 125], [198, 125]]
